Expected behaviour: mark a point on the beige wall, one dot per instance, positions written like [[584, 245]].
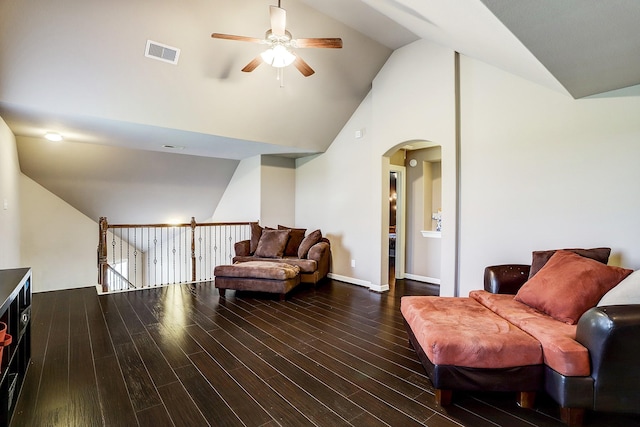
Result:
[[414, 100], [9, 200], [345, 190], [262, 189], [541, 170], [58, 242], [424, 196], [241, 199], [277, 191], [334, 194], [398, 157], [41, 231]]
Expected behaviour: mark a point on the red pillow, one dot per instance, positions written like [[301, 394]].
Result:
[[568, 285], [540, 258]]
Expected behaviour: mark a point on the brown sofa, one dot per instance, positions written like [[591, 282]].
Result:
[[311, 253], [587, 345]]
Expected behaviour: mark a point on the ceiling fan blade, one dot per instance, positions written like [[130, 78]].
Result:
[[253, 64], [328, 43], [238, 38], [303, 67], [278, 20]]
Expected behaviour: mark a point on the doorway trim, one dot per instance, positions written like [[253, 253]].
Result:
[[401, 219]]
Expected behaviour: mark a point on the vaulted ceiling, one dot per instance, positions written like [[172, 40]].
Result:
[[78, 67]]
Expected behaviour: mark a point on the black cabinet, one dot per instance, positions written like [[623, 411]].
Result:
[[15, 296]]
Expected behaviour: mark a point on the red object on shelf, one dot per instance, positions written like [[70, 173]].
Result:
[[5, 338]]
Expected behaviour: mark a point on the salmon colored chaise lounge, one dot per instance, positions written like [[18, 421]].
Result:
[[568, 325]]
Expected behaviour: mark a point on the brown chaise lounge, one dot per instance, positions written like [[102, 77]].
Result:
[[311, 253], [275, 261], [584, 356]]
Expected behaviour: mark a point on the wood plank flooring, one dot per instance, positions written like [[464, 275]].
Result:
[[335, 355]]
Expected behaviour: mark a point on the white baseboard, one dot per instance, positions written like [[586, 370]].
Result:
[[422, 278], [351, 280], [379, 288], [359, 282]]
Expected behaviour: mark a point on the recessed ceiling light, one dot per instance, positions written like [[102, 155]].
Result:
[[53, 136]]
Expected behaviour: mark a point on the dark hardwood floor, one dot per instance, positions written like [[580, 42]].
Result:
[[333, 355]]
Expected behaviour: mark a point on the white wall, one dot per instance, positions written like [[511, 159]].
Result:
[[334, 194], [9, 197], [541, 170], [241, 200], [424, 197], [278, 188], [345, 190], [58, 242], [262, 189]]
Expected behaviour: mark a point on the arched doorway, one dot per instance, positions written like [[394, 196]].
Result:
[[430, 253]]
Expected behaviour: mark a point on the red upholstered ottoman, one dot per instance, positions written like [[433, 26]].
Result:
[[260, 276], [465, 346]]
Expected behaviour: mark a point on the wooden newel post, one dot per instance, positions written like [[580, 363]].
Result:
[[103, 264], [193, 249]]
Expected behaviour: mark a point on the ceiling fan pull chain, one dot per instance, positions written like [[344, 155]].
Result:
[[280, 76]]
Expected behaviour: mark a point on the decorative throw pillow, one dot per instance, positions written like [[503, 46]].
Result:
[[296, 236], [625, 292], [256, 232], [272, 243], [568, 285], [313, 238], [540, 258]]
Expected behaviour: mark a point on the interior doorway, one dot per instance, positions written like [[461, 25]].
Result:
[[397, 222], [417, 251]]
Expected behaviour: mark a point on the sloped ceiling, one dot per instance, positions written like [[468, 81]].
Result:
[[85, 60], [78, 67], [149, 188], [589, 46]]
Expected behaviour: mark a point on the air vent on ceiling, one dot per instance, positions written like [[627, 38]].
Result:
[[162, 52]]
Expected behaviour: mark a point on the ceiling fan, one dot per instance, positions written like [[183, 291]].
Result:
[[280, 44]]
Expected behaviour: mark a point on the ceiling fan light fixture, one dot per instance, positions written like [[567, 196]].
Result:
[[280, 44], [278, 56]]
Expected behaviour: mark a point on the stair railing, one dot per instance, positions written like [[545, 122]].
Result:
[[116, 281], [149, 255]]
